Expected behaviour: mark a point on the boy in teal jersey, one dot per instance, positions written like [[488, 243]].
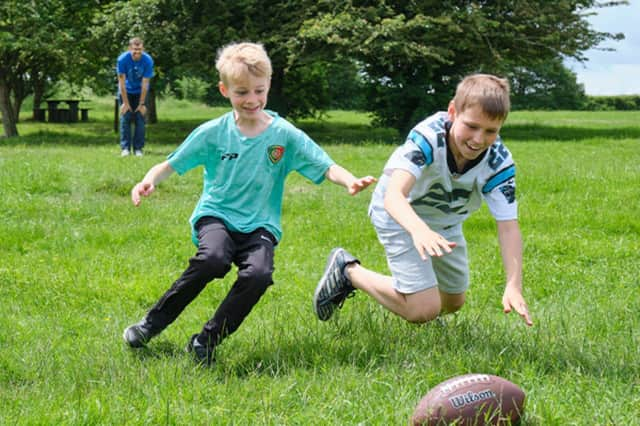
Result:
[[449, 164], [246, 154]]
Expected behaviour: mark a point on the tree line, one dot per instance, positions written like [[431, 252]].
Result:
[[398, 60]]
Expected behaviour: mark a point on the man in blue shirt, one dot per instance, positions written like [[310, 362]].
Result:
[[135, 69]]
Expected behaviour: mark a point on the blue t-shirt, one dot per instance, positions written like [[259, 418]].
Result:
[[244, 177], [134, 71]]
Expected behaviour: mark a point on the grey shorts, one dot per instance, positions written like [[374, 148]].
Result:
[[411, 274]]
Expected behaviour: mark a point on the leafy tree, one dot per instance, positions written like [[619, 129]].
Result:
[[413, 53], [39, 41], [547, 85], [184, 38]]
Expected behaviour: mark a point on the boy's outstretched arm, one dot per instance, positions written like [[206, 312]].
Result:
[[147, 185], [511, 250], [426, 241], [341, 176]]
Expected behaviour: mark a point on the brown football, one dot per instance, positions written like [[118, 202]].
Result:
[[471, 399]]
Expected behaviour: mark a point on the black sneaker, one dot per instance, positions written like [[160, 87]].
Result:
[[203, 354], [138, 335], [334, 287]]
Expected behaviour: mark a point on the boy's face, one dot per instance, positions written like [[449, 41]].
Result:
[[248, 95], [472, 132]]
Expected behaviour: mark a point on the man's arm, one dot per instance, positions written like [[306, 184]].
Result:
[[143, 96], [123, 94]]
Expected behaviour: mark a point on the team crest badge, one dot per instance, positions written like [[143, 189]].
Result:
[[275, 153]]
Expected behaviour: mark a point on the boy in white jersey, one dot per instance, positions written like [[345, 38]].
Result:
[[246, 154], [449, 163]]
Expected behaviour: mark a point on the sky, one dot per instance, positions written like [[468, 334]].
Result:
[[617, 72]]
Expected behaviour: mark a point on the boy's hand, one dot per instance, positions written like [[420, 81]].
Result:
[[429, 242], [360, 184], [142, 188], [512, 299]]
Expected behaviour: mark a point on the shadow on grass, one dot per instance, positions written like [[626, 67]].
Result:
[[101, 133], [159, 350], [529, 132], [388, 343]]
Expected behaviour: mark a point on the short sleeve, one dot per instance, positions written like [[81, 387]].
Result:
[[191, 153]]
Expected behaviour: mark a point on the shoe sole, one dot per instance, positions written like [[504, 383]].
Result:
[[332, 257]]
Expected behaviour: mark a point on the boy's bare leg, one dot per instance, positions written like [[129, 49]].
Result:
[[451, 302], [417, 307]]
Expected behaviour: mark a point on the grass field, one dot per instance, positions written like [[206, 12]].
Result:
[[80, 263]]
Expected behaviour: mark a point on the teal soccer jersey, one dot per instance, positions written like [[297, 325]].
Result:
[[244, 177]]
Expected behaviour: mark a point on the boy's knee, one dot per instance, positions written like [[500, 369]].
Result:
[[257, 274], [422, 316], [214, 262], [452, 302]]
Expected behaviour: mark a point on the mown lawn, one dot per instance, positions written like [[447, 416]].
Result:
[[80, 263]]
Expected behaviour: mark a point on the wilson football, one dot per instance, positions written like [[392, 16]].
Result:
[[471, 399]]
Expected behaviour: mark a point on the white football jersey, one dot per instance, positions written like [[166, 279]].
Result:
[[441, 197]]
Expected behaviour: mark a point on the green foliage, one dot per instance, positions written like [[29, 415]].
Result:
[[192, 88], [608, 103], [545, 85], [414, 53], [398, 60], [79, 264], [40, 41], [401, 60]]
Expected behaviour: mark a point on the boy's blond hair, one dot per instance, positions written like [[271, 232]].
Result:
[[236, 59], [489, 92]]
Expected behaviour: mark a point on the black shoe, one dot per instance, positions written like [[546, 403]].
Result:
[[334, 287], [138, 335], [203, 354]]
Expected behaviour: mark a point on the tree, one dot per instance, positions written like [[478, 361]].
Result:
[[547, 85], [39, 40], [413, 53], [184, 37]]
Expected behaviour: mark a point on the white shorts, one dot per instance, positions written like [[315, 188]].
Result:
[[411, 274]]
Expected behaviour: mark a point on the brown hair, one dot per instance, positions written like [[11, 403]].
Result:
[[489, 92], [236, 59], [135, 41]]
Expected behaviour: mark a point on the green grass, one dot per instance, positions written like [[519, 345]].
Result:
[[80, 263]]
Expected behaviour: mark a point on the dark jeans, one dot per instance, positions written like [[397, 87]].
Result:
[[218, 248], [125, 124]]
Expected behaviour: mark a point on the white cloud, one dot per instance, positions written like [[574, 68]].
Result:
[[617, 72]]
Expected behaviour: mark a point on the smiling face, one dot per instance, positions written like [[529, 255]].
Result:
[[248, 95], [136, 50], [472, 132]]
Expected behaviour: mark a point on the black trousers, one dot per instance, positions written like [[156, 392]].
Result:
[[218, 248]]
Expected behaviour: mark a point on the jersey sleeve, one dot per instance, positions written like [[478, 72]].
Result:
[[500, 194], [413, 156], [192, 152], [310, 160]]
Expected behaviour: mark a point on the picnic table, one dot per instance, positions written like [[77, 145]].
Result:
[[62, 115]]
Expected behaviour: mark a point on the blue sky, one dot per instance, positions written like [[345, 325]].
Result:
[[618, 72]]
